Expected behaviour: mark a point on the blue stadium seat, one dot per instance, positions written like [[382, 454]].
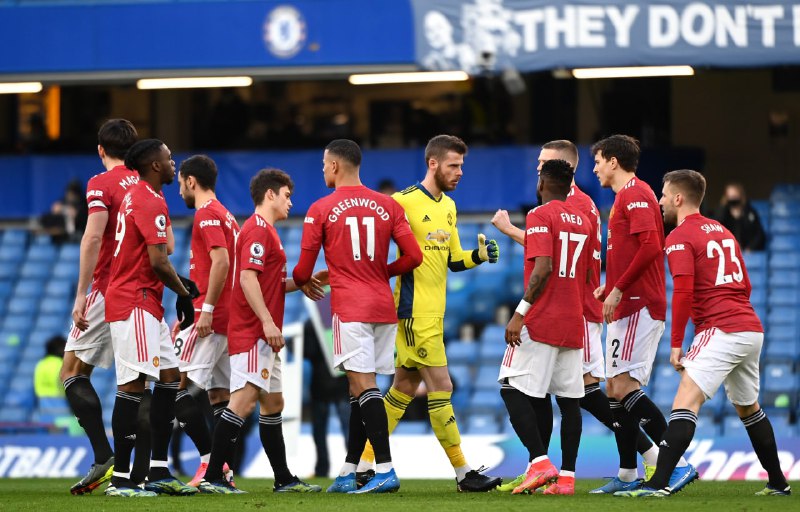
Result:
[[784, 297], [482, 424], [784, 226], [6, 285], [706, 426], [23, 306], [493, 333], [41, 240], [70, 252], [11, 254], [732, 426], [482, 306], [781, 260], [14, 414], [65, 270], [486, 379], [55, 305], [42, 253], [36, 270], [779, 377], [783, 316], [20, 324], [758, 278], [782, 332], [62, 288], [57, 324], [14, 237], [461, 374], [28, 288], [665, 378], [487, 400], [755, 260], [781, 350], [780, 242], [491, 352], [758, 296], [412, 427], [462, 352], [663, 397]]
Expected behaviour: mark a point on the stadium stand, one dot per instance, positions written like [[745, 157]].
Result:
[[37, 280]]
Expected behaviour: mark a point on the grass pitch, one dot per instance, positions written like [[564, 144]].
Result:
[[52, 495]]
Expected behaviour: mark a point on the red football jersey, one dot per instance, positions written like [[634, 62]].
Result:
[[104, 193], [560, 231], [704, 248], [635, 211], [142, 220], [592, 308], [214, 226], [257, 248], [354, 225]]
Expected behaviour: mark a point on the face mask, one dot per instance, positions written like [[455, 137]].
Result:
[[734, 202]]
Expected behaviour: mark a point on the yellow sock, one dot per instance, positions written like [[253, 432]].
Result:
[[443, 421], [396, 403]]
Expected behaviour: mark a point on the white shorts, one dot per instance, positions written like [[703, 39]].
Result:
[[716, 357], [631, 345], [363, 347], [259, 366], [536, 368], [92, 346], [205, 360], [142, 344], [593, 362]]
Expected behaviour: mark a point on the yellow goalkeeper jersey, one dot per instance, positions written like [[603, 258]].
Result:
[[421, 292]]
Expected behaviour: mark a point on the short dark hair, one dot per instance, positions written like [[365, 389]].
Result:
[[439, 146], [142, 154], [564, 146], [558, 175], [691, 184], [202, 168], [268, 179], [622, 147], [55, 346], [346, 149], [116, 136]]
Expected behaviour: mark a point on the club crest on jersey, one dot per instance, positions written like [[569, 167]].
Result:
[[264, 373], [257, 250], [161, 222], [449, 218], [439, 235], [156, 361], [421, 352]]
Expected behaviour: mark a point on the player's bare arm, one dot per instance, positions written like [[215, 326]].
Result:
[[90, 249], [170, 241], [220, 263], [502, 222], [539, 277], [610, 304], [314, 289], [159, 261], [248, 279]]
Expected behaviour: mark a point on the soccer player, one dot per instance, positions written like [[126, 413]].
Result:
[[255, 339], [545, 336], [140, 269], [594, 399], [202, 349], [711, 286], [89, 341], [420, 300], [354, 225], [634, 306]]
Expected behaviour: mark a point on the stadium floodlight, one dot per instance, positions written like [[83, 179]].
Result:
[[407, 78], [633, 72], [197, 82], [20, 87]]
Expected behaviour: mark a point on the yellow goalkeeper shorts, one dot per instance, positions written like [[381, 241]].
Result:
[[420, 342]]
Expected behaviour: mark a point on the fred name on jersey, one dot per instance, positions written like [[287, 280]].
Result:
[[354, 202]]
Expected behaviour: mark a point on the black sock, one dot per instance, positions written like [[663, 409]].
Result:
[[682, 423], [524, 420], [270, 429], [626, 428], [762, 437], [642, 408], [162, 412], [123, 425], [141, 453], [376, 424], [596, 403], [543, 407], [191, 420], [571, 427], [217, 409], [85, 405], [356, 434], [225, 436]]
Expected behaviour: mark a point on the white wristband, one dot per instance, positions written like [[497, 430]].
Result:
[[523, 307], [208, 308]]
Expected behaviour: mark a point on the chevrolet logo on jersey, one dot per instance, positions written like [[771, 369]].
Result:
[[439, 235]]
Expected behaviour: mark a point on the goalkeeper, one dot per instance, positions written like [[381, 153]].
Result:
[[420, 300]]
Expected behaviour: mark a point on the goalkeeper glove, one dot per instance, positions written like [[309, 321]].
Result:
[[194, 292], [185, 310], [488, 250]]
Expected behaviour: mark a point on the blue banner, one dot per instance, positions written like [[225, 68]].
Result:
[[204, 35], [528, 35]]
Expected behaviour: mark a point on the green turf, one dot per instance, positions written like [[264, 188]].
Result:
[[52, 495]]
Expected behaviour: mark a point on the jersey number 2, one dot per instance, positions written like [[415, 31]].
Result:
[[713, 249], [355, 237]]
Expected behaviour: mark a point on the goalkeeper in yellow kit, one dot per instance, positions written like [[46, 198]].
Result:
[[420, 300]]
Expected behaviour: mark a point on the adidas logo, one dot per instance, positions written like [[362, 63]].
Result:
[[616, 425], [450, 421], [614, 364], [644, 421], [132, 437], [426, 219], [664, 443], [181, 424]]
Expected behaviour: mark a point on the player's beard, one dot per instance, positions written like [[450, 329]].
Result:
[[539, 198], [189, 200], [441, 181]]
